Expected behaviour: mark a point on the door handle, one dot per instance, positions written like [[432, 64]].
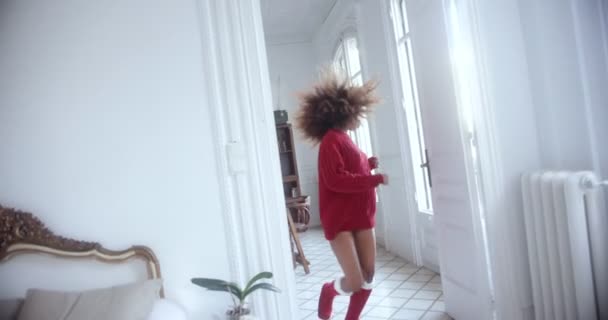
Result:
[[427, 165]]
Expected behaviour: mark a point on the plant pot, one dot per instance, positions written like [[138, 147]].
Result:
[[240, 317], [243, 317], [240, 313]]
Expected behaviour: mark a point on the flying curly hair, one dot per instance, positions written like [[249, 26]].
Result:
[[333, 103]]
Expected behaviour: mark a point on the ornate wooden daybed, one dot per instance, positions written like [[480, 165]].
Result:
[[23, 233]]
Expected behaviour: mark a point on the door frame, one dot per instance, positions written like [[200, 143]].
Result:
[[246, 155], [237, 90], [492, 179]]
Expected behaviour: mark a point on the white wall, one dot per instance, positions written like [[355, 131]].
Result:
[[567, 65], [105, 136], [542, 76], [602, 108], [296, 66]]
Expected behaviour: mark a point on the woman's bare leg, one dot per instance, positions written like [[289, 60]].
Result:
[[365, 244], [346, 252]]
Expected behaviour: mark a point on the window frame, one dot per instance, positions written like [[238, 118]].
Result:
[[411, 105], [362, 136]]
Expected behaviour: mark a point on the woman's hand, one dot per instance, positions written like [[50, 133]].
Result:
[[373, 163], [384, 179]]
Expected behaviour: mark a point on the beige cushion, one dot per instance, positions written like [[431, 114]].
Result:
[[127, 302], [42, 304], [9, 308]]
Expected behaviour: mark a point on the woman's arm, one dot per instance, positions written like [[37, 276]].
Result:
[[337, 178]]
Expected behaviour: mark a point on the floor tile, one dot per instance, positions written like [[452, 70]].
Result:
[[438, 306], [436, 279], [304, 286], [306, 314], [408, 314], [432, 315], [408, 269], [324, 274], [393, 302], [311, 279], [389, 284], [375, 300], [427, 295], [341, 299], [388, 269], [426, 271], [334, 268], [403, 293], [382, 312], [306, 294], [398, 276], [309, 305], [412, 285], [396, 264], [381, 276], [340, 307], [403, 290], [421, 277], [382, 292], [419, 304], [433, 286]]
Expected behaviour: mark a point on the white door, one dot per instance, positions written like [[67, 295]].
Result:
[[458, 224], [425, 233]]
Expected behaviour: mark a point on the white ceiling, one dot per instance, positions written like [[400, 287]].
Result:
[[294, 18]]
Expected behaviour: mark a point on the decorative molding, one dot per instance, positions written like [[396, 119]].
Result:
[[237, 87], [209, 30], [23, 233]]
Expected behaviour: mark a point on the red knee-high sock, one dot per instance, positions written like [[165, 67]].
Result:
[[358, 301], [329, 291]]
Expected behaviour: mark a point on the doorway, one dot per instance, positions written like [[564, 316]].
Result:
[[424, 236], [440, 91], [449, 236]]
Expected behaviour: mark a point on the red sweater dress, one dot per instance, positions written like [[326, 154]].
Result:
[[347, 198]]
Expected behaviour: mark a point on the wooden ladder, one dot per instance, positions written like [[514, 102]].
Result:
[[298, 257]]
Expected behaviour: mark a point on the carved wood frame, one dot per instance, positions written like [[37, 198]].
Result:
[[23, 233]]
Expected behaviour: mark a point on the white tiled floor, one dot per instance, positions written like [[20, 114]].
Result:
[[403, 291]]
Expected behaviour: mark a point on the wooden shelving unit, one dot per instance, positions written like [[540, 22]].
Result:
[[289, 163], [296, 204]]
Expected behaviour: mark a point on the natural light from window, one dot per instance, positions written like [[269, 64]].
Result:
[[346, 60], [421, 167]]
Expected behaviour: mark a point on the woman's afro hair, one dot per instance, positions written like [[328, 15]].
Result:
[[333, 103]]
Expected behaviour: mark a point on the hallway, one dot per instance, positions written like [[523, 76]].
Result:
[[403, 291]]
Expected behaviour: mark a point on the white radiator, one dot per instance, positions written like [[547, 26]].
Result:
[[566, 232]]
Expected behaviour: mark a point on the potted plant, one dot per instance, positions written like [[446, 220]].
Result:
[[239, 311]]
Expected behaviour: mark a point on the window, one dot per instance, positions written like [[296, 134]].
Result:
[[412, 107], [346, 59]]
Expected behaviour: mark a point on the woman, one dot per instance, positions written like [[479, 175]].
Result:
[[347, 198]]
